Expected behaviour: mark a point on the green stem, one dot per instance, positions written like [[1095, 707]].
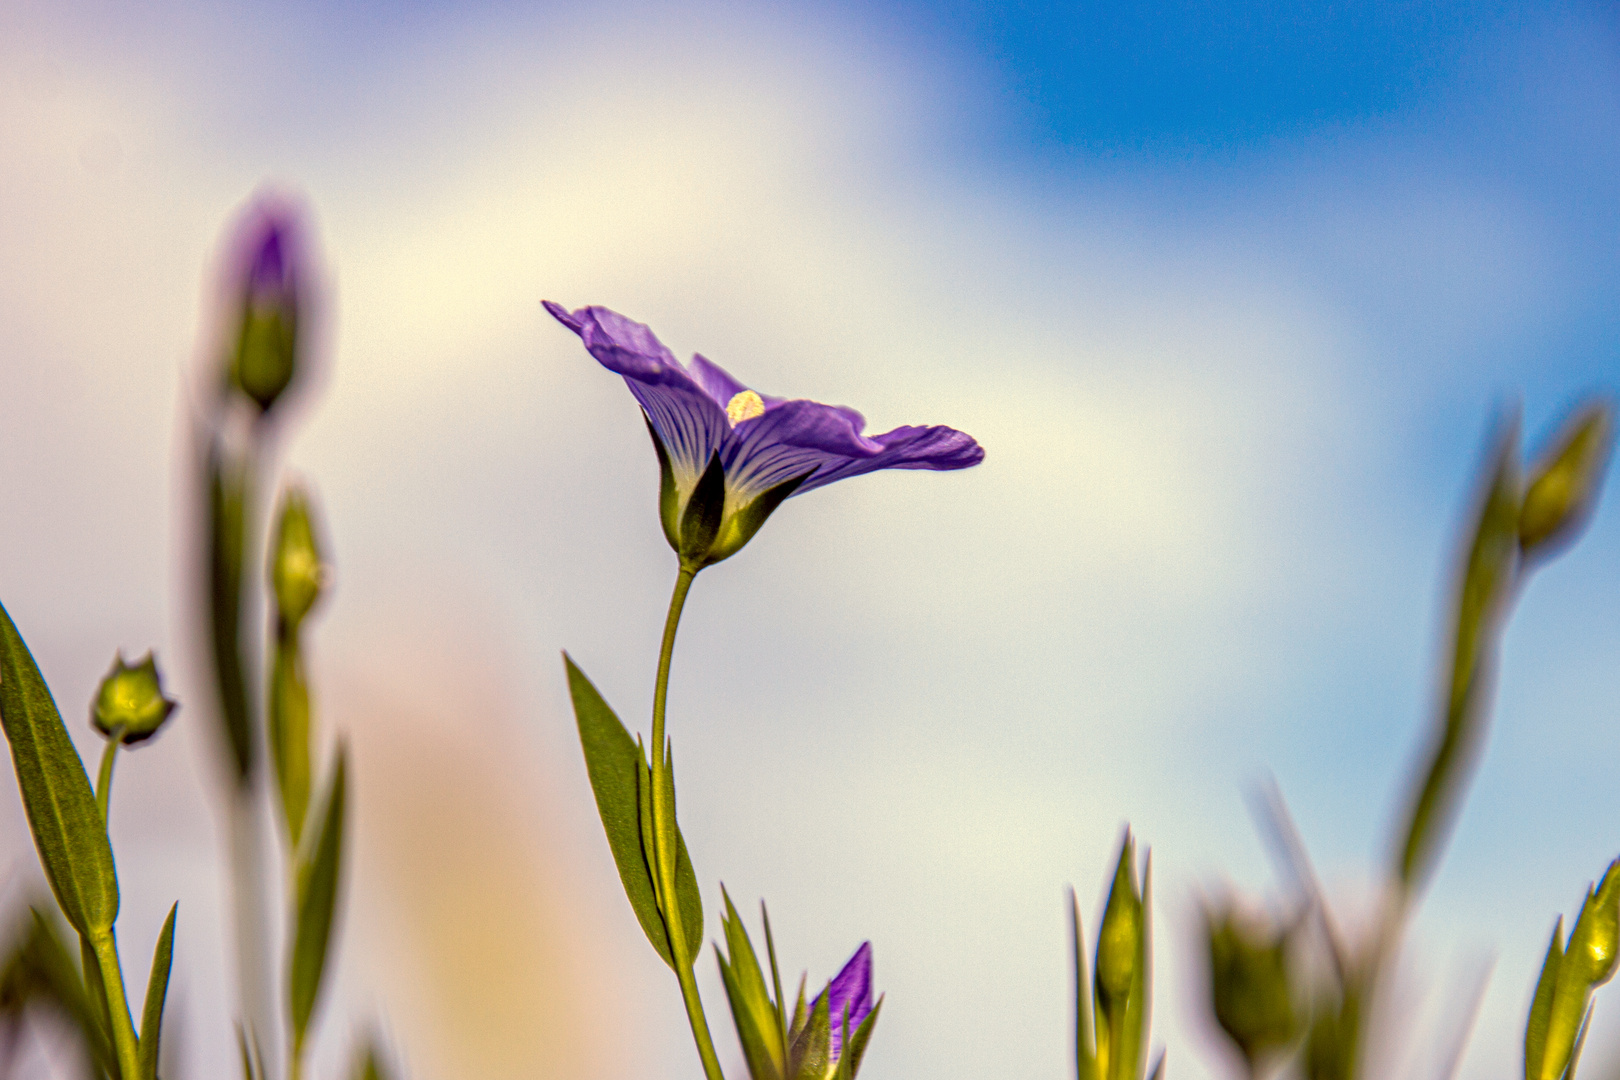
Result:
[[123, 1029], [666, 853], [104, 779]]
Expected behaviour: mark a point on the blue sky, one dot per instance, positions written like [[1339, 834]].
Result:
[[1230, 296]]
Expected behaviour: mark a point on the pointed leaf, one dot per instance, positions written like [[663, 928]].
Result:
[[157, 990], [289, 730], [687, 895], [227, 540], [812, 1050], [62, 812], [751, 1005], [863, 1034], [1535, 1030], [1487, 581], [317, 905], [776, 983], [1084, 1052]]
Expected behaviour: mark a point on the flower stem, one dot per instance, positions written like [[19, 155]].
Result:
[[112, 981], [104, 779], [666, 854]]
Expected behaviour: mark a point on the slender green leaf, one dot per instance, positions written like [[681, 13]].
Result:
[[1085, 1053], [1487, 581], [687, 893], [62, 812], [157, 991], [1139, 1004], [96, 995], [289, 729], [227, 547], [752, 1009], [855, 1044], [619, 775], [812, 1050], [252, 1059], [317, 904], [776, 983]]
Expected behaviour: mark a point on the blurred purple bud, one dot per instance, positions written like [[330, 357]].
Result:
[[849, 996], [264, 284]]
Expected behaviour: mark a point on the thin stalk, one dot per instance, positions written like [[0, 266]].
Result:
[[123, 1029], [104, 778], [665, 853]]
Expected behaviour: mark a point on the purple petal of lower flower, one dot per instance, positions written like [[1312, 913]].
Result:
[[851, 990]]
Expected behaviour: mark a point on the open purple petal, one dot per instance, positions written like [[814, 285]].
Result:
[[936, 447], [851, 990], [688, 421]]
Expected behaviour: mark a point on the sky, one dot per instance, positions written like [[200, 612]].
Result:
[[1232, 297]]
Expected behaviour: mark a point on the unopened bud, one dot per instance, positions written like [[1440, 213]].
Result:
[[266, 349], [1565, 487], [130, 705], [1249, 982], [1119, 940], [296, 571]]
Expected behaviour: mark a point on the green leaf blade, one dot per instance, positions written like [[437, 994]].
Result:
[[614, 765], [157, 992], [62, 812], [317, 906]]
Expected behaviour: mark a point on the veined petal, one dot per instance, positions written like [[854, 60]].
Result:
[[850, 989], [936, 447], [688, 421]]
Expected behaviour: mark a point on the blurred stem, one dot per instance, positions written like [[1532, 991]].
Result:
[[666, 853], [104, 779], [112, 981]]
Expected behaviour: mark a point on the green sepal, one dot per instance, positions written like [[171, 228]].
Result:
[[289, 730], [752, 1008], [227, 546], [855, 1043], [705, 510], [1118, 938], [1560, 498], [811, 1055], [1488, 576], [1535, 1028], [619, 774], [318, 881], [252, 1056], [1138, 1005], [669, 496], [62, 812], [776, 983], [741, 526], [266, 353], [157, 991], [801, 1016], [1085, 1053]]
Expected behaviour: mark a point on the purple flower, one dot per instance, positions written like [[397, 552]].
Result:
[[729, 454], [848, 995]]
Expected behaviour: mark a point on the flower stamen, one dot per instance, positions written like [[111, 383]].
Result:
[[744, 405]]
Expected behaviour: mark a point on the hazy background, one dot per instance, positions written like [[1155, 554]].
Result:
[[1228, 293]]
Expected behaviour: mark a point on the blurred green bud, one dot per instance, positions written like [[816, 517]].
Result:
[[1250, 987], [130, 705], [1565, 487], [1594, 944], [296, 571], [1120, 938], [264, 356]]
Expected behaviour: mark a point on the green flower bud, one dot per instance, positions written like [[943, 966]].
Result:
[[1249, 982], [268, 278], [1120, 937], [296, 571], [1565, 487], [130, 705]]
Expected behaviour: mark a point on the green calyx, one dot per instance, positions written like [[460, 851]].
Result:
[[296, 572], [1560, 497], [266, 354], [701, 530], [130, 705], [1250, 986]]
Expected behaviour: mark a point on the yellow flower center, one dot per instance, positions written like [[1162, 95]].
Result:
[[744, 406]]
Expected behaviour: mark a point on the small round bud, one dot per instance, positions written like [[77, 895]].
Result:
[[1249, 982], [296, 571], [130, 705], [1560, 498]]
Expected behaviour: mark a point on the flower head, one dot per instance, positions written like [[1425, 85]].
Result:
[[130, 706], [728, 454]]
